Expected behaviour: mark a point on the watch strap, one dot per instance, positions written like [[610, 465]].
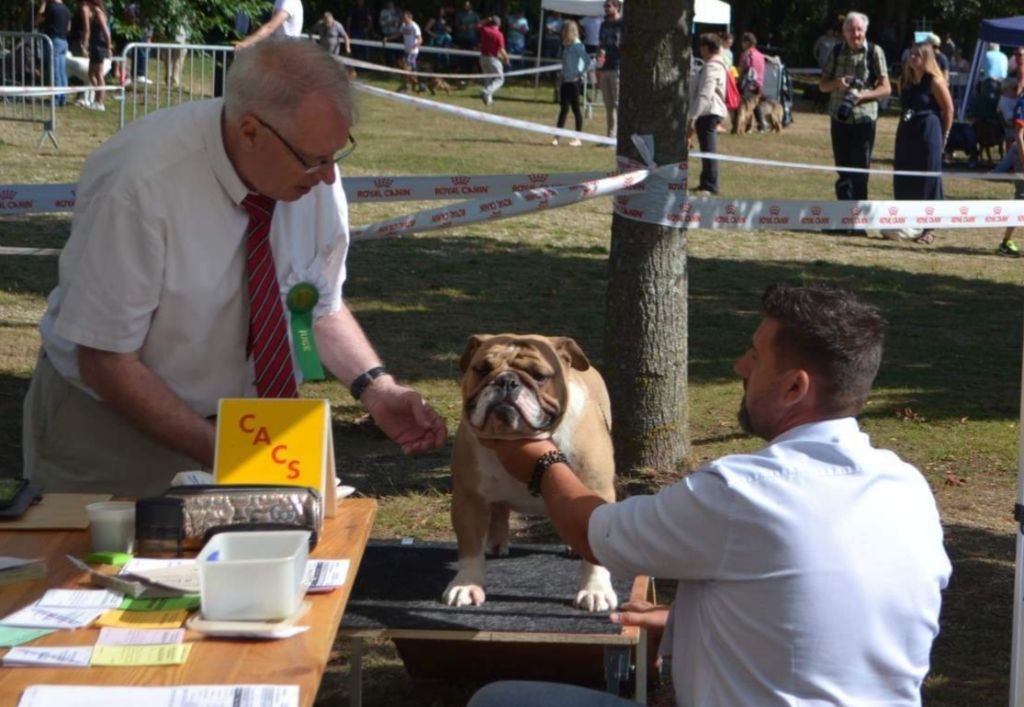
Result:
[[363, 380]]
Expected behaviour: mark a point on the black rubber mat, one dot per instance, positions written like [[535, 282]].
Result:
[[400, 586]]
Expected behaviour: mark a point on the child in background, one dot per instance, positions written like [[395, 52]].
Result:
[[575, 63]]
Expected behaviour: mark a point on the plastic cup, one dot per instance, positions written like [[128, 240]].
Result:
[[112, 526]]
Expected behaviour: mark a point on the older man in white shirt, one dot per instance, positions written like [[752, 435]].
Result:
[[809, 572], [150, 324]]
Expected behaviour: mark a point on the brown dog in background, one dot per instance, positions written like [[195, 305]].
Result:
[[989, 134], [414, 82], [745, 114]]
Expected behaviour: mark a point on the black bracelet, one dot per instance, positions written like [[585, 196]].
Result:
[[363, 380], [541, 466]]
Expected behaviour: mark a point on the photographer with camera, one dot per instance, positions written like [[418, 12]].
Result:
[[856, 77]]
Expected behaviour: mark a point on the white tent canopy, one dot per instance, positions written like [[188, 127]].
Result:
[[712, 12]]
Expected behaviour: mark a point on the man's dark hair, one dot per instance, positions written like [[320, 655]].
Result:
[[834, 335], [712, 41], [750, 38]]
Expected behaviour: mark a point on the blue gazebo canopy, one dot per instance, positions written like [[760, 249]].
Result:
[[1004, 30]]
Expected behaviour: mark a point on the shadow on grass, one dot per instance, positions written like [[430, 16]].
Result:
[[12, 393], [953, 343], [971, 657]]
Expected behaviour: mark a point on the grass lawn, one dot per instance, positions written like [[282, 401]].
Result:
[[947, 398]]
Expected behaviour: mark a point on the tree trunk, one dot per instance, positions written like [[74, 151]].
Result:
[[645, 334]]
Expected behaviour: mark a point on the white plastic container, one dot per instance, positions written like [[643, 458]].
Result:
[[255, 576]]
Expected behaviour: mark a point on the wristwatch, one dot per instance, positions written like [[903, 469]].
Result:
[[363, 380]]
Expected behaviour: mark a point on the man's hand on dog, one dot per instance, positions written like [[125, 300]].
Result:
[[519, 455], [404, 416]]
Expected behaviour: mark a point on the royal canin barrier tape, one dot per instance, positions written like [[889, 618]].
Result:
[[20, 199], [659, 196], [369, 66]]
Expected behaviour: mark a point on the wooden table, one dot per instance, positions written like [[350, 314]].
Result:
[[299, 660]]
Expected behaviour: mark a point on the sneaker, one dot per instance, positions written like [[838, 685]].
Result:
[[1009, 249], [99, 107], [554, 141], [702, 192], [575, 142], [83, 102], [484, 98]]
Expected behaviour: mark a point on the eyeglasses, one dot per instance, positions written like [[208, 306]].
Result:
[[320, 165]]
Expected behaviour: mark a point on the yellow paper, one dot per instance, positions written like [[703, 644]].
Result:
[[119, 618], [172, 654], [273, 441]]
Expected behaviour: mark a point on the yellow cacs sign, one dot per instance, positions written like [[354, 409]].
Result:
[[285, 442]]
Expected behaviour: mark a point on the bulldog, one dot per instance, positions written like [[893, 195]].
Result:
[[514, 387]]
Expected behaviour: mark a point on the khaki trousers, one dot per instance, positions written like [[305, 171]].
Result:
[[608, 82], [75, 443]]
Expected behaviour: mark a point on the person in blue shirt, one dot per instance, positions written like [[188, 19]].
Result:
[[575, 63]]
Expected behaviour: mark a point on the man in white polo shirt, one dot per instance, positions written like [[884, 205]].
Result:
[[809, 572], [285, 21], [182, 221]]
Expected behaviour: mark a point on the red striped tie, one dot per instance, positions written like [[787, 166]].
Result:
[[268, 333]]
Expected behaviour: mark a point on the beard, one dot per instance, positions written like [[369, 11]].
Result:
[[743, 416]]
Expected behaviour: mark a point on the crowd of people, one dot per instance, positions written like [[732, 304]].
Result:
[[855, 77]]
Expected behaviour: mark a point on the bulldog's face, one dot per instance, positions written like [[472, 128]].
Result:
[[514, 386]]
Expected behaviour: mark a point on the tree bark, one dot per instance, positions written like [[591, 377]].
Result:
[[645, 329]]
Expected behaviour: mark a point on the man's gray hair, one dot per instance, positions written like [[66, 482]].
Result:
[[851, 16], [993, 46], [270, 79]]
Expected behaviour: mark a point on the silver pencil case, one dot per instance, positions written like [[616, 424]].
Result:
[[214, 508]]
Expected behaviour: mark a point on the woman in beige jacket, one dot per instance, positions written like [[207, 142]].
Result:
[[707, 109]]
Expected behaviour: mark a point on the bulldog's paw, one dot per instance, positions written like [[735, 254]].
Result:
[[602, 599], [464, 593], [595, 592]]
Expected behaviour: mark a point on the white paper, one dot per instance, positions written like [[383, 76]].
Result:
[[110, 636], [180, 574], [193, 478], [81, 599], [144, 564], [324, 575], [46, 617], [183, 696], [69, 657], [10, 563]]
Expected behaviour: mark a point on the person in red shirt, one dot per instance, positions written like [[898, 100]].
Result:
[[493, 57]]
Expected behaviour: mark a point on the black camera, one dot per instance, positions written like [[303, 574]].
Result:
[[849, 100]]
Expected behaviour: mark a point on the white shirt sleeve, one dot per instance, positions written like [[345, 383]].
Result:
[[113, 278], [682, 532]]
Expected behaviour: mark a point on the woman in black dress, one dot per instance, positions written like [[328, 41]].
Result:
[[927, 116]]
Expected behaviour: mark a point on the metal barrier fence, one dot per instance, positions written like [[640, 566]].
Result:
[[163, 75], [26, 61]]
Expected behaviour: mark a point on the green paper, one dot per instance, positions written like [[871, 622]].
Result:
[[117, 559], [11, 636], [189, 602], [301, 299]]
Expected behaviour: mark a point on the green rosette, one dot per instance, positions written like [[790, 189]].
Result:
[[301, 300]]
